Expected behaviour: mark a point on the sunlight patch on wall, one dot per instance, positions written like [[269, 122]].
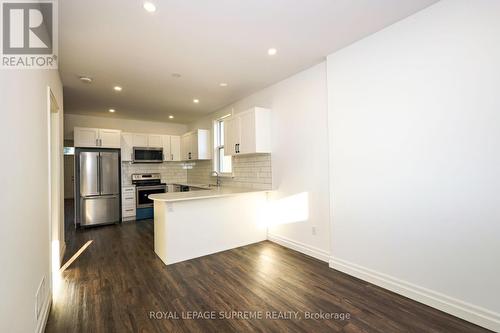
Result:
[[291, 209]]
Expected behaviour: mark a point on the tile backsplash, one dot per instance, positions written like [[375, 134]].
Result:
[[250, 171], [171, 172]]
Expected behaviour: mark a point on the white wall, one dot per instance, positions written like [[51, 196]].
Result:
[[126, 125], [24, 175], [414, 116], [299, 156]]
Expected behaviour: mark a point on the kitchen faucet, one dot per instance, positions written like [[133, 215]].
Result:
[[218, 177]]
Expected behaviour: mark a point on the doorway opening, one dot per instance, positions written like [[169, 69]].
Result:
[[56, 207]]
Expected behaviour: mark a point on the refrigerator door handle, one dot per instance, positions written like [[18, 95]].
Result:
[[99, 180]]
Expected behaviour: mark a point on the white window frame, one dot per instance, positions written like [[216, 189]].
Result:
[[218, 146]]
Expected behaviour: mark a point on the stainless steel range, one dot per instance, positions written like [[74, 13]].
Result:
[[146, 184]]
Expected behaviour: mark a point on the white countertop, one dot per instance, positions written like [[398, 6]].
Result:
[[192, 185], [202, 194]]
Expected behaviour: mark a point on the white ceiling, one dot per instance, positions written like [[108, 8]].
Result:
[[117, 42]]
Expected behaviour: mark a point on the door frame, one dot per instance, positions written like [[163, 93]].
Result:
[[55, 186]]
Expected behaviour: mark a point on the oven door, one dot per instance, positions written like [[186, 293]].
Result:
[[142, 193]]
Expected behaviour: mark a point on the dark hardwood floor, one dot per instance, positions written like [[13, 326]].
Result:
[[118, 281]]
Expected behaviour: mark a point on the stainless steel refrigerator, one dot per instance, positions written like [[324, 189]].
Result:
[[97, 186]]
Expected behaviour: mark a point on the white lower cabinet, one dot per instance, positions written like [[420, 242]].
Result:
[[128, 203]]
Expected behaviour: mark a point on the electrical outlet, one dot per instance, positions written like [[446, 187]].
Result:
[[313, 231]]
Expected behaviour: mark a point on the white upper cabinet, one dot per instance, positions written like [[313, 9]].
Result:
[[126, 146], [171, 145], [109, 138], [139, 140], [155, 140], [231, 135], [175, 147], [195, 145], [86, 137], [147, 140], [167, 156], [248, 132], [97, 137], [171, 148]]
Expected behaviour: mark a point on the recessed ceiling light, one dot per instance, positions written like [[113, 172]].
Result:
[[272, 51], [223, 84], [117, 88], [86, 79], [112, 110], [196, 101], [176, 75], [149, 7], [170, 117]]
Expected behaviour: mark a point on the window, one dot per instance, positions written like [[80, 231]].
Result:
[[222, 164]]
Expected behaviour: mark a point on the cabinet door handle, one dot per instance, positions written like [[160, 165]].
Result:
[[236, 148], [171, 157]]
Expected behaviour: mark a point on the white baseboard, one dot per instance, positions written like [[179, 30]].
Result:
[[300, 247], [472, 313], [40, 328]]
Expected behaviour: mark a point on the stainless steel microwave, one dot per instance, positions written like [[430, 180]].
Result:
[[147, 155]]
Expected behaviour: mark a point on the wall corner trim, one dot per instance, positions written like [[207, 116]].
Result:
[[469, 312], [300, 247], [42, 323]]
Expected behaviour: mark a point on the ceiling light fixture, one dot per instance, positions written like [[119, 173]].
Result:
[[176, 75], [170, 117], [85, 79], [117, 88], [272, 51], [149, 7], [112, 110], [223, 84], [196, 101]]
